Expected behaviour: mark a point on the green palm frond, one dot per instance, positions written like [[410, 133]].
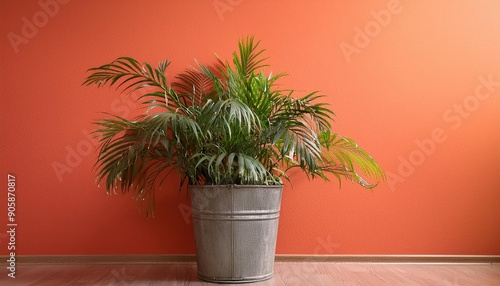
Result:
[[196, 85], [344, 156], [129, 76], [227, 123], [248, 61]]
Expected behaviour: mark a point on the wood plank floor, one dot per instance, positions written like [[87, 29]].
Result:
[[286, 273]]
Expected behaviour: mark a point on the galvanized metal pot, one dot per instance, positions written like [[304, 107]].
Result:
[[235, 229]]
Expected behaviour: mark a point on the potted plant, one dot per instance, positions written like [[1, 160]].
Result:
[[232, 135]]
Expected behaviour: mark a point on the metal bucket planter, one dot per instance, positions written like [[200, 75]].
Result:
[[235, 229]]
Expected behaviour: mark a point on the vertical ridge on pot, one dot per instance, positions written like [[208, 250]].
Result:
[[235, 231]]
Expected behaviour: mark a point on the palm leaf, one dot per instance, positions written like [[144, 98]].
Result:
[[227, 123]]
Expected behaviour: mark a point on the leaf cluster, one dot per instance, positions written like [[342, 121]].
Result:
[[228, 123]]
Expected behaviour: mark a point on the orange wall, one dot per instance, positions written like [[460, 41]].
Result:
[[416, 83]]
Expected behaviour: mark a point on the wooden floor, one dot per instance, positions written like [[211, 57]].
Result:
[[286, 273]]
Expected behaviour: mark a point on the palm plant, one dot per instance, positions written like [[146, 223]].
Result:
[[221, 124]]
